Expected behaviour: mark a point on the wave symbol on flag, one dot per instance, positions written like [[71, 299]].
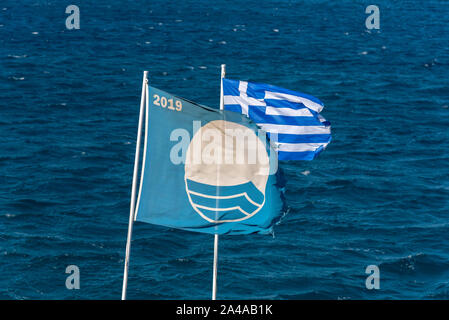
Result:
[[234, 203]]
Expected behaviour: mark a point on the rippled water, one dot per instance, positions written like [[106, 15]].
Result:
[[68, 118]]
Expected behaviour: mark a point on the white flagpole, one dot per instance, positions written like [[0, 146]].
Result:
[[134, 185], [214, 279]]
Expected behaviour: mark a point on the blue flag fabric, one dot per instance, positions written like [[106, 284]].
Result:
[[201, 172], [291, 119]]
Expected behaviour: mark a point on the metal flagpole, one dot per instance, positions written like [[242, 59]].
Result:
[[214, 279], [134, 185]]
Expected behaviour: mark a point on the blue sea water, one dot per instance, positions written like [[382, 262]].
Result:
[[378, 195]]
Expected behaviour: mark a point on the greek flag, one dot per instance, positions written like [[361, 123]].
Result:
[[291, 119]]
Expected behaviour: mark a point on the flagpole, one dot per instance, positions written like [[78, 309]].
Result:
[[214, 278], [134, 185]]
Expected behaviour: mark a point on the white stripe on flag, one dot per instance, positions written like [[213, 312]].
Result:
[[298, 147], [284, 96], [286, 129], [321, 118], [273, 111], [244, 100], [243, 86]]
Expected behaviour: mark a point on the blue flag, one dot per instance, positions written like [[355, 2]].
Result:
[[206, 170], [292, 119]]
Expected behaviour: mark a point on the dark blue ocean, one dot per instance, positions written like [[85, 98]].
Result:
[[378, 195]]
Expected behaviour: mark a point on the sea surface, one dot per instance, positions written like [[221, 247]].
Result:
[[378, 195]]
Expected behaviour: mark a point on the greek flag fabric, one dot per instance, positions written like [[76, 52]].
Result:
[[206, 170], [291, 119]]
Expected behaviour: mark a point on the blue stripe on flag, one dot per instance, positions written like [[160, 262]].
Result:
[[258, 115], [257, 88], [304, 155], [302, 138], [284, 104]]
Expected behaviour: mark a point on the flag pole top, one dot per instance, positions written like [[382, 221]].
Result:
[[223, 70]]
